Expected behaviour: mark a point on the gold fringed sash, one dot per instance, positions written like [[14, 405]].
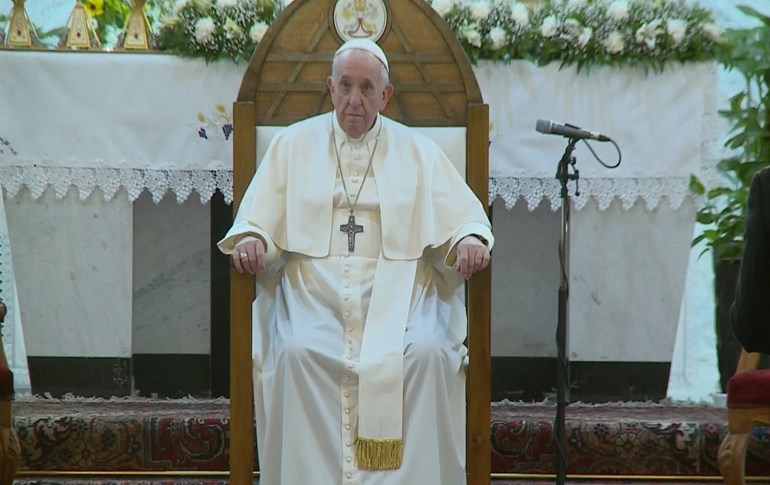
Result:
[[381, 367], [374, 454]]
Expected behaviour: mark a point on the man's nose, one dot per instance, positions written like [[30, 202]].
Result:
[[356, 97]]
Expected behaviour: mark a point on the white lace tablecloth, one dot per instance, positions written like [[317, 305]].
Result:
[[162, 123]]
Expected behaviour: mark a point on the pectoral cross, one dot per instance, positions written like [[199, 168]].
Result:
[[351, 228]]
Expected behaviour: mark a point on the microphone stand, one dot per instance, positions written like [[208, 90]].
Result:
[[562, 373]]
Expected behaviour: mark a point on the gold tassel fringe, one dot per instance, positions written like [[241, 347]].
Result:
[[373, 454]]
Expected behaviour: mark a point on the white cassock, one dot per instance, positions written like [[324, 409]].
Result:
[[312, 317]]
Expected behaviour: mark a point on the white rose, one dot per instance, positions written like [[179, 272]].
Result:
[[520, 14], [618, 10], [480, 10], [257, 31], [573, 28], [647, 34], [442, 7], [497, 36], [205, 30], [585, 36], [227, 3], [712, 31], [614, 43], [232, 29], [472, 35], [549, 26], [676, 28]]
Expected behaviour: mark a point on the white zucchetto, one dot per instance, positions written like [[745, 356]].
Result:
[[365, 45]]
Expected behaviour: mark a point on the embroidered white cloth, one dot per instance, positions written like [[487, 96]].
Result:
[[158, 122]]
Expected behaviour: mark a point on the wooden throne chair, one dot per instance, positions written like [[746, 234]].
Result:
[[435, 88], [748, 403]]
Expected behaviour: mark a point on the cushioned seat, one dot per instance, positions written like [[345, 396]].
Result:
[[748, 403], [749, 389]]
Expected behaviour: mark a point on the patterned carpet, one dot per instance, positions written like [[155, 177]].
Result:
[[192, 436]]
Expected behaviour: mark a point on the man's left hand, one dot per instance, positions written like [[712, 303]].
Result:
[[472, 256]]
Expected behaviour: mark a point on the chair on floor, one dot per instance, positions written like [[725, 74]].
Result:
[[748, 404], [10, 452], [435, 89]]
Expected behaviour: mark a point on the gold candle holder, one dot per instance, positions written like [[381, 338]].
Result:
[[21, 32], [137, 33], [80, 32]]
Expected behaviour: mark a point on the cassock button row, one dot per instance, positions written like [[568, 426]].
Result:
[[348, 459], [349, 476], [347, 394], [347, 284], [348, 355], [350, 329], [347, 298], [347, 269], [350, 366], [347, 427], [347, 314], [347, 443], [354, 180]]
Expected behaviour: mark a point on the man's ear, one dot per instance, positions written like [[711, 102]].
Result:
[[386, 94], [330, 84]]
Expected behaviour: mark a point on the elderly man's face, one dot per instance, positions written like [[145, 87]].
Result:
[[358, 90]]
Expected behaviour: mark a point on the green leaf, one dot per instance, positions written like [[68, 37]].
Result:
[[696, 186], [752, 12]]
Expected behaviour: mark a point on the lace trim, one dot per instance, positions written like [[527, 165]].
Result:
[[205, 182], [110, 180], [603, 191]]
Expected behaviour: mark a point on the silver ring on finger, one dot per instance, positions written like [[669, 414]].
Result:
[[244, 255]]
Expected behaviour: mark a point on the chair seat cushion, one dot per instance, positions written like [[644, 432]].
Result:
[[749, 389]]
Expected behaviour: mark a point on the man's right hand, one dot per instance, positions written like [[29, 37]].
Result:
[[249, 255]]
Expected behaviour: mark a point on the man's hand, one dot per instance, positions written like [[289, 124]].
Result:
[[249, 255], [472, 256]]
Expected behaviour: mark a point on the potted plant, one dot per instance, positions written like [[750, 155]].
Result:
[[723, 213]]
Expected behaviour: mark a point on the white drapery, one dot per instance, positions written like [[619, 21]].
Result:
[[161, 123], [13, 336]]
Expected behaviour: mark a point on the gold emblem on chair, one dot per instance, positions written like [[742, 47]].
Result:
[[360, 19]]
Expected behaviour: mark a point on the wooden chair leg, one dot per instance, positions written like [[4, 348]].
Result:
[[732, 458]]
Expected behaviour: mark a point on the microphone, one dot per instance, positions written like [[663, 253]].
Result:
[[550, 127]]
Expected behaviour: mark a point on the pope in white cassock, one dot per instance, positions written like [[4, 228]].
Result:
[[359, 231]]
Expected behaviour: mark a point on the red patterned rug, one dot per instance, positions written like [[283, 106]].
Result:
[[192, 436]]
